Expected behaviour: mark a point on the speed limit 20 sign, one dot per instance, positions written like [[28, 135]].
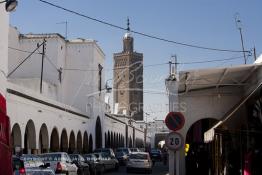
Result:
[[174, 141]]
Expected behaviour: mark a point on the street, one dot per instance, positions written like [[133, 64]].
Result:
[[158, 169]]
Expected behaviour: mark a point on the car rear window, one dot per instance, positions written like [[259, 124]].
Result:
[[89, 157], [138, 156], [120, 153], [53, 157]]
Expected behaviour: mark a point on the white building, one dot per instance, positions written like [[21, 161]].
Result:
[[4, 23], [66, 113], [222, 107], [69, 112]]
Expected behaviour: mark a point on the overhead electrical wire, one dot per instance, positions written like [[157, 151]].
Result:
[[20, 50], [210, 61], [141, 33], [145, 66]]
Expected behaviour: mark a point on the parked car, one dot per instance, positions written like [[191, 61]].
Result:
[[139, 161], [60, 162], [108, 162], [125, 150], [95, 166], [82, 165], [108, 151], [121, 157], [156, 155], [134, 150], [30, 164]]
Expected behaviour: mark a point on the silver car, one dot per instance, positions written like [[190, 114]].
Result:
[[60, 162], [139, 161], [30, 165]]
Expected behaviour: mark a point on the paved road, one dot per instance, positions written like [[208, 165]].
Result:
[[158, 169]]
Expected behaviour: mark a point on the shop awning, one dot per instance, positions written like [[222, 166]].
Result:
[[209, 135], [197, 80]]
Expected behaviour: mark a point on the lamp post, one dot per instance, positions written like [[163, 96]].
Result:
[[10, 5]]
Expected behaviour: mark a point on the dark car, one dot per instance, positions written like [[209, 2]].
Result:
[[156, 155], [95, 166], [125, 150], [82, 165], [30, 164], [108, 151], [108, 162], [121, 157]]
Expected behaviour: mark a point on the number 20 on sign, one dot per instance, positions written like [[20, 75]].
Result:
[[174, 141]]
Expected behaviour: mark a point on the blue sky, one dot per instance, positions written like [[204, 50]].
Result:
[[208, 23]]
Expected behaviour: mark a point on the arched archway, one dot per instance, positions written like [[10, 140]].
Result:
[[198, 150], [158, 138], [122, 141], [106, 141], [29, 137], [112, 140], [115, 141], [90, 148], [72, 143], [130, 143], [16, 138], [43, 139], [54, 141], [79, 142], [98, 133], [64, 141], [85, 143]]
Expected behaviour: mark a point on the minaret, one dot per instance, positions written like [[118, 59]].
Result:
[[128, 79]]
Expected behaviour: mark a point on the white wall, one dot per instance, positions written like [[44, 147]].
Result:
[[79, 87], [21, 110], [4, 23]]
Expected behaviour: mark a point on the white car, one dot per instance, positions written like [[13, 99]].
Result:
[[60, 162], [139, 161]]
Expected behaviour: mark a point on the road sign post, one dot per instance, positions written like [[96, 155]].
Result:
[[174, 141]]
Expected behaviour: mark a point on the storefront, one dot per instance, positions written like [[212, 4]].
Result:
[[236, 138], [231, 97]]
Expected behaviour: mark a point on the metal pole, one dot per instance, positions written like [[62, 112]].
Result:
[[255, 54], [170, 68], [42, 66], [238, 25], [242, 43], [177, 162]]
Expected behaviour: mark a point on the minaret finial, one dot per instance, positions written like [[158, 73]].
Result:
[[128, 28]]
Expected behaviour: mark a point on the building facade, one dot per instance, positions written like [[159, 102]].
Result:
[[64, 112], [222, 118], [128, 80]]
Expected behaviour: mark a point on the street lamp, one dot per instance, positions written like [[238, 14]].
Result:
[[10, 5]]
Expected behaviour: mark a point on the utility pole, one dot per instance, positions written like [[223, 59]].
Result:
[[255, 54], [66, 26], [238, 25], [170, 67], [42, 66]]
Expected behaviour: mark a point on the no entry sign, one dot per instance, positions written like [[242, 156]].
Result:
[[175, 121]]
